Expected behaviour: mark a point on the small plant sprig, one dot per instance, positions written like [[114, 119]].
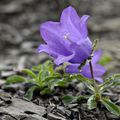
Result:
[[97, 93], [42, 77]]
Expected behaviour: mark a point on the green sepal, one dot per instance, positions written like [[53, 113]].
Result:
[[95, 42]]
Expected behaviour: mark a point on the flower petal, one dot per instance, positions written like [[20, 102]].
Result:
[[70, 17], [82, 52], [83, 24], [99, 79], [71, 24], [52, 33], [85, 71], [98, 71], [72, 69], [61, 59], [45, 48], [97, 55], [52, 38]]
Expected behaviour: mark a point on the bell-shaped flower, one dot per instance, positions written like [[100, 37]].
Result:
[[67, 40], [98, 70]]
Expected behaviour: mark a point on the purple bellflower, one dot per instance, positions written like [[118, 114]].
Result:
[[98, 70], [67, 40]]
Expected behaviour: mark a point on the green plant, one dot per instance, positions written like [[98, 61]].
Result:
[[97, 93], [43, 77]]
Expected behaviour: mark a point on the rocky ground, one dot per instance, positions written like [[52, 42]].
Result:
[[19, 39]]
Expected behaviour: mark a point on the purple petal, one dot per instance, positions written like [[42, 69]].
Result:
[[70, 17], [98, 71], [97, 55], [71, 24], [83, 24], [85, 71], [99, 79], [82, 52], [61, 59], [47, 49], [52, 38], [52, 33], [72, 69]]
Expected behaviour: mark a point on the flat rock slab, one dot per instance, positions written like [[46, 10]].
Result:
[[22, 110]]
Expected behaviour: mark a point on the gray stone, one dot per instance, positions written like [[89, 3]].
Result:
[[54, 117], [20, 109]]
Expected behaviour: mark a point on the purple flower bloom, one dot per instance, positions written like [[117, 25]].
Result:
[[67, 40], [85, 70]]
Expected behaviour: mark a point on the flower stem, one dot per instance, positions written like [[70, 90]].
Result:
[[94, 82], [92, 74], [91, 69]]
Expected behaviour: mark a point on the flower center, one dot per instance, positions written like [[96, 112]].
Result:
[[66, 36]]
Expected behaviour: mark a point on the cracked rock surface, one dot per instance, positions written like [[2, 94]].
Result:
[[18, 109]]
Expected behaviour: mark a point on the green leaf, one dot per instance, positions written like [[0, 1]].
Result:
[[29, 93], [62, 68], [15, 79], [36, 68], [45, 91], [83, 97], [105, 59], [113, 80], [53, 83], [30, 73], [91, 88], [69, 99], [113, 108], [116, 79], [81, 78], [62, 83], [91, 103], [52, 78], [50, 69]]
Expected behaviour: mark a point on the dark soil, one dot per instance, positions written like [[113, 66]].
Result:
[[19, 39], [54, 106]]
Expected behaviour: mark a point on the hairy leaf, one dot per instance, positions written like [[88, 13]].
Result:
[[29, 94], [30, 73], [91, 103], [15, 79], [113, 108], [71, 99], [45, 91], [113, 80], [80, 78]]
